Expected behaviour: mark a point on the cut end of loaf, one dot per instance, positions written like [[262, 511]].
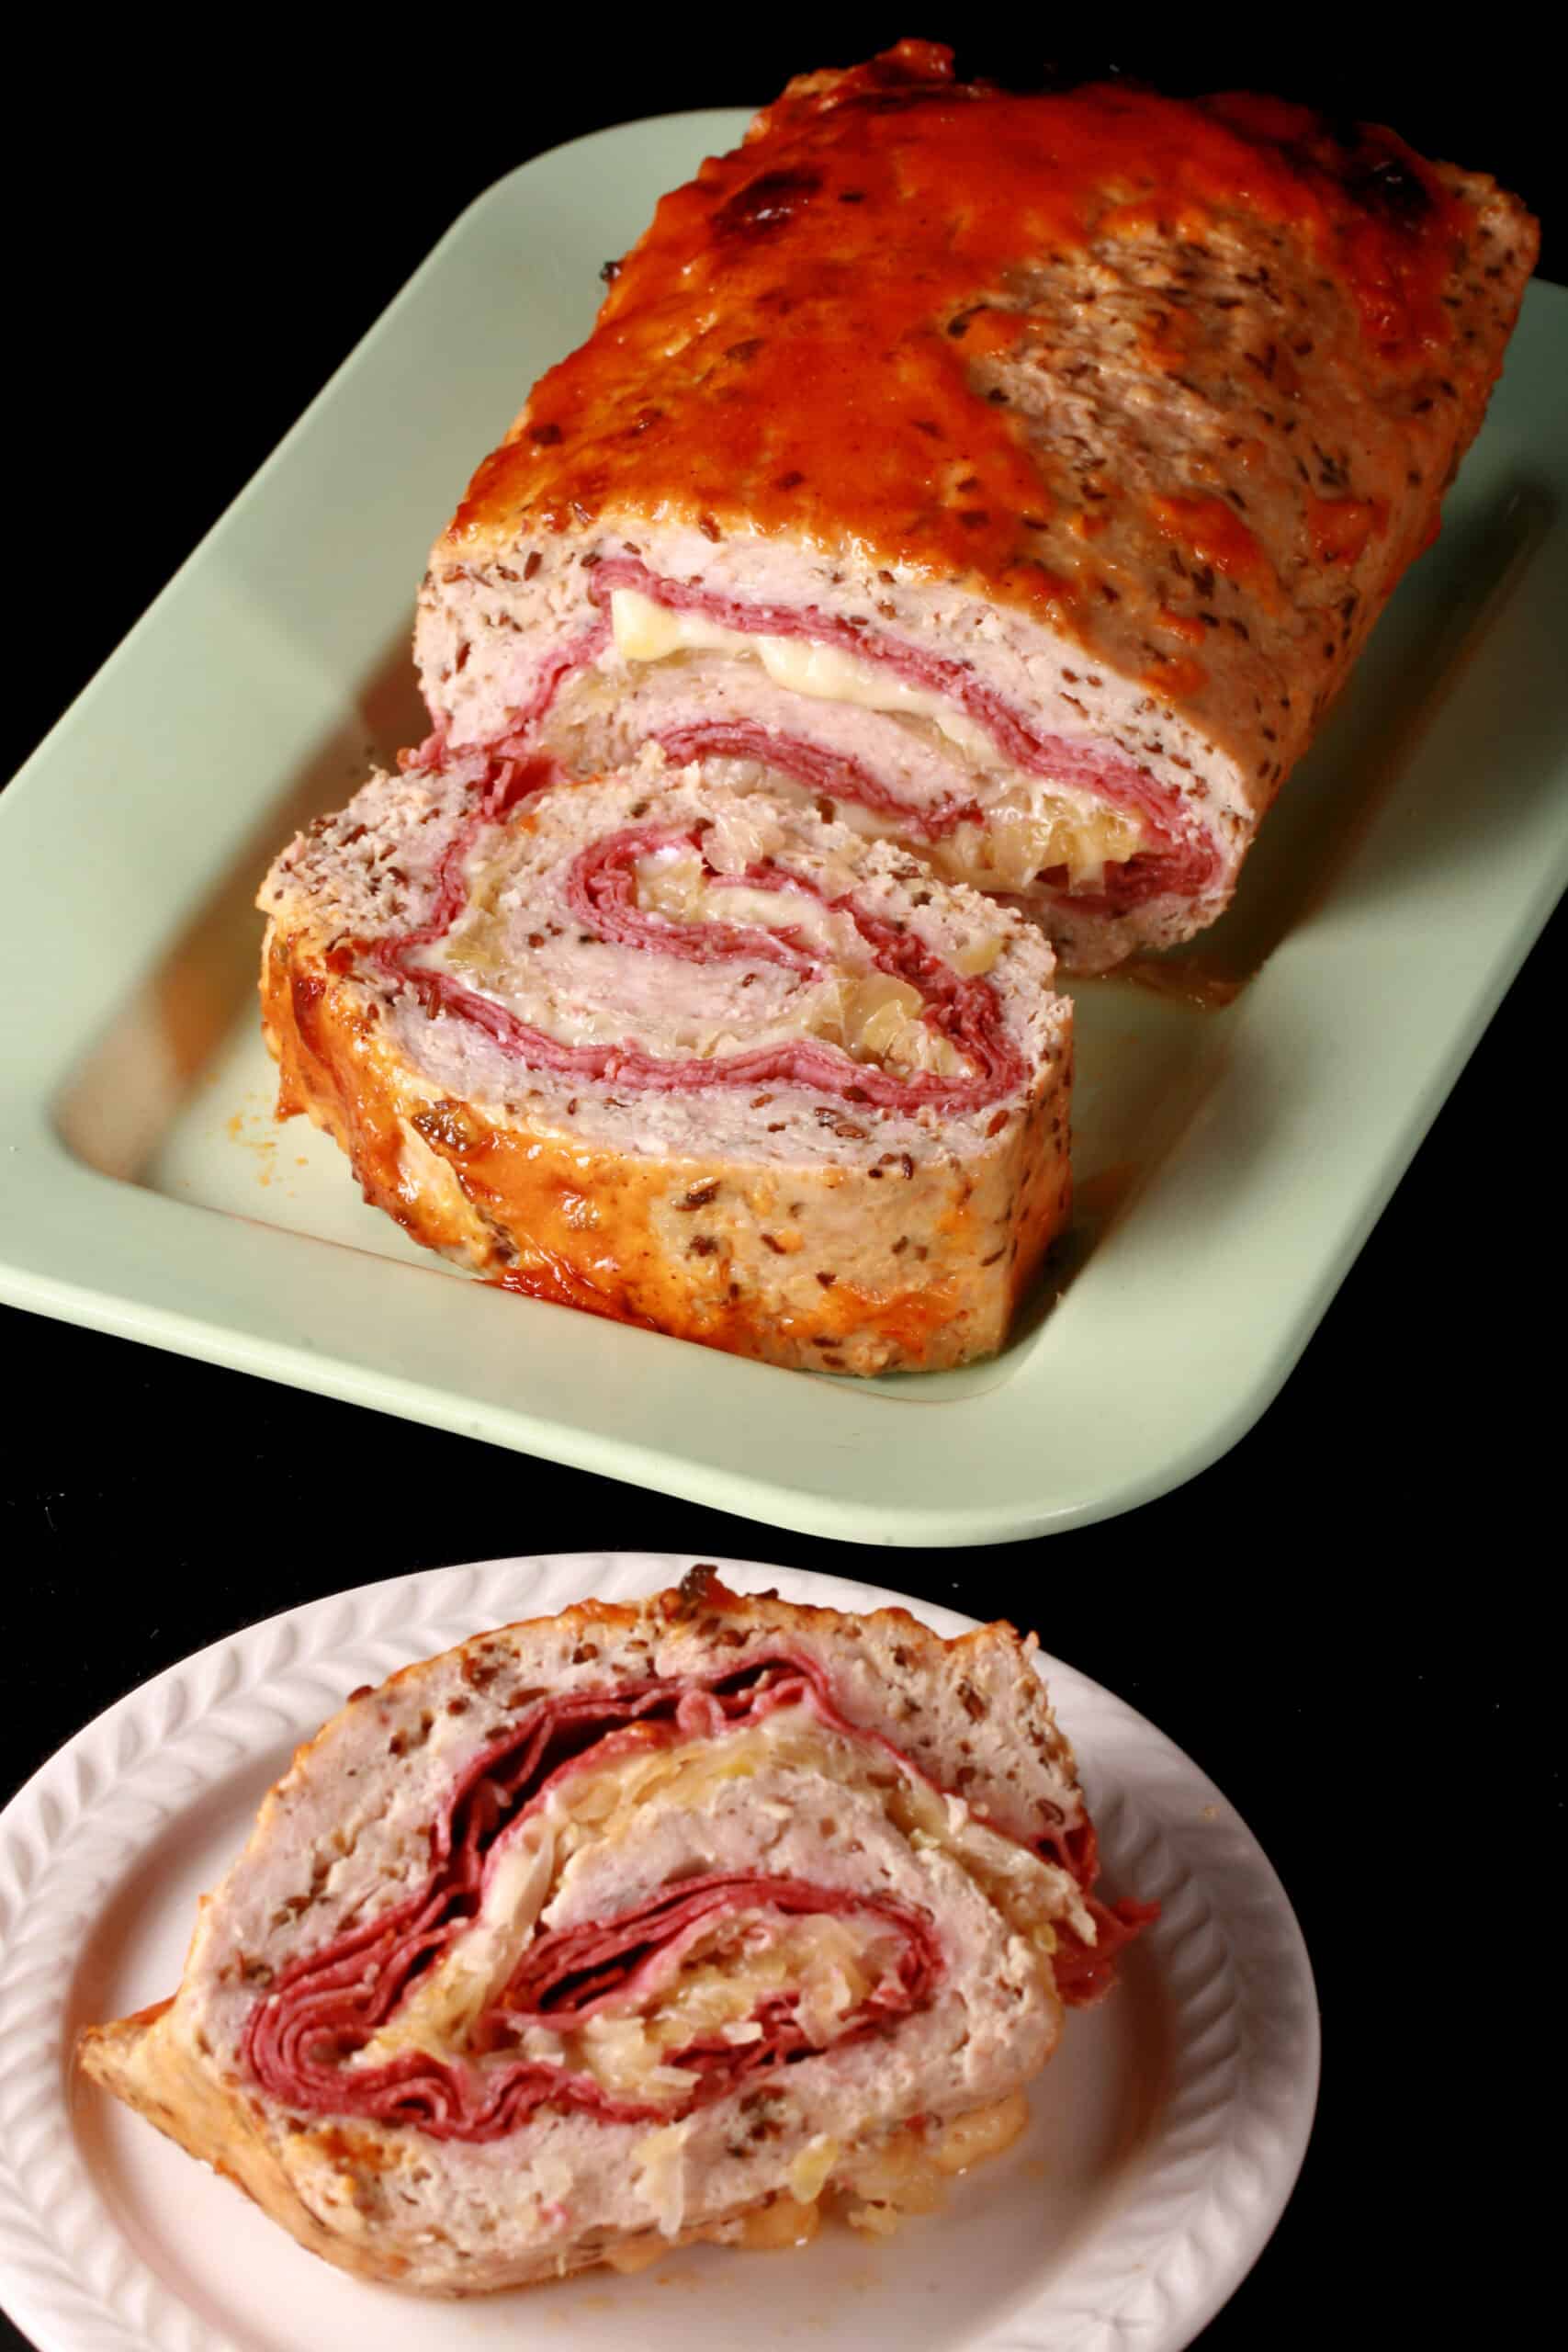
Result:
[[715, 1068]]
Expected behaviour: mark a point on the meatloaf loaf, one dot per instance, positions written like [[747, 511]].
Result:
[[691, 1059], [634, 1925], [1019, 476]]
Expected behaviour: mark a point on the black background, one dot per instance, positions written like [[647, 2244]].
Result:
[[1347, 1622]]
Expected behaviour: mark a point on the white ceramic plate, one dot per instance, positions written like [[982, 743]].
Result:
[[1167, 2136]]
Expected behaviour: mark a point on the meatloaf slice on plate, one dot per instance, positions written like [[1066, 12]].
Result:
[[633, 1926]]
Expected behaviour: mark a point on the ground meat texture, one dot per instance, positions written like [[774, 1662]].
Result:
[[611, 1926], [1091, 430], [654, 1050]]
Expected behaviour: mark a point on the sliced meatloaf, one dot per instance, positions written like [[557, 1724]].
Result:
[[632, 1926], [1016, 476], [703, 1062]]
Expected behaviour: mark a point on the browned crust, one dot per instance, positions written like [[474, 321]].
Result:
[[703, 1600], [555, 1217], [146, 2065], [965, 1667], [146, 2062]]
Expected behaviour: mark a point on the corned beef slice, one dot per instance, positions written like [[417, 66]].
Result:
[[1176, 859], [552, 1021], [334, 1999], [600, 891]]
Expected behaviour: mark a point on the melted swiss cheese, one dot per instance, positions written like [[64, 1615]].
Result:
[[1005, 853]]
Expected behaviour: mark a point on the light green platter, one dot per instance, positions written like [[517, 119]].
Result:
[[1230, 1161]]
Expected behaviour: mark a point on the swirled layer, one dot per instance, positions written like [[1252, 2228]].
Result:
[[465, 2005], [650, 959]]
